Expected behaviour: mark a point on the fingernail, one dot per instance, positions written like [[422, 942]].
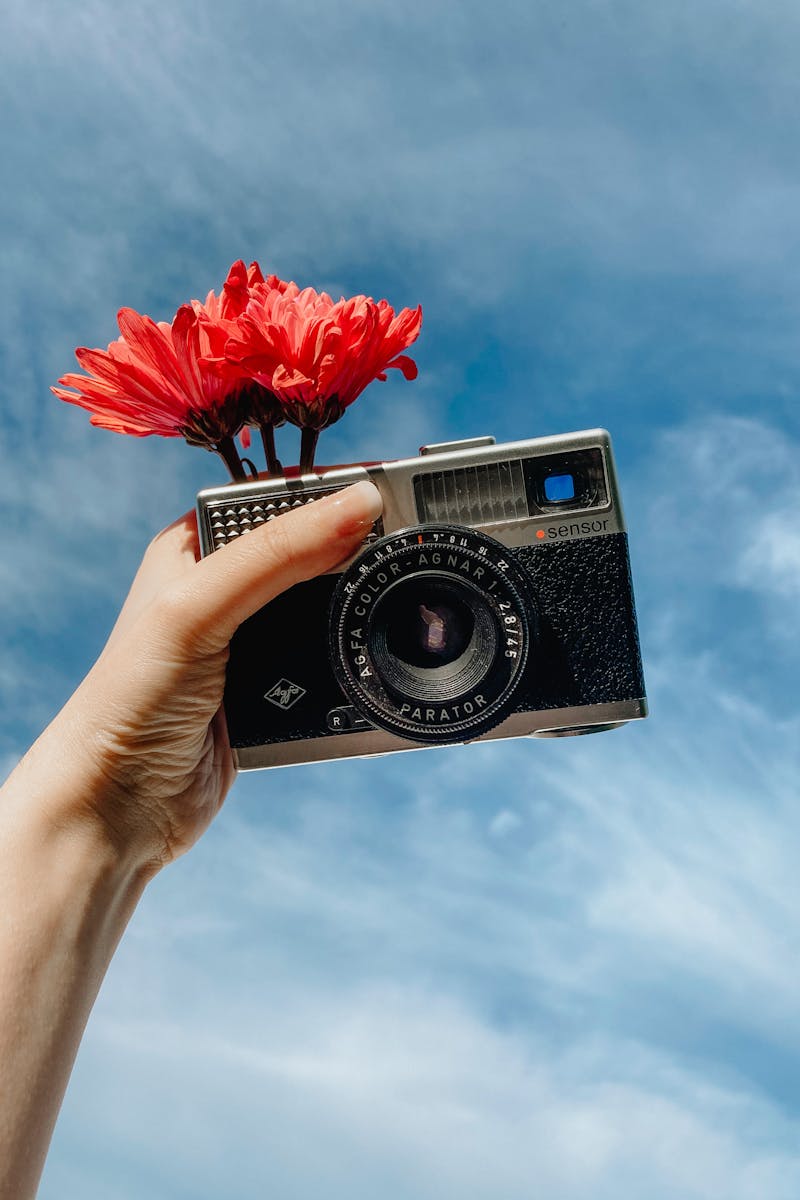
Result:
[[356, 507]]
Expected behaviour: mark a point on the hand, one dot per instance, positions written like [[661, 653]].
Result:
[[141, 749]]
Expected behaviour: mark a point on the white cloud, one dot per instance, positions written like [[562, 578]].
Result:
[[407, 1093], [712, 530], [402, 1088], [482, 172], [505, 822], [770, 562]]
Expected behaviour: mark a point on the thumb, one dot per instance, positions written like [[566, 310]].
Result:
[[241, 577]]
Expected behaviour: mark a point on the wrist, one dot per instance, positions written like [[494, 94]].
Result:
[[55, 796], [56, 853]]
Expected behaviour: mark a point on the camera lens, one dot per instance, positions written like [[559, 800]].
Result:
[[425, 626], [432, 639], [430, 632]]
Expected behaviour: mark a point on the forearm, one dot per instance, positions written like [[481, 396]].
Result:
[[66, 895]]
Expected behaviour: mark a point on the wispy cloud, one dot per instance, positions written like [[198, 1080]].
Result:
[[771, 561], [403, 1094]]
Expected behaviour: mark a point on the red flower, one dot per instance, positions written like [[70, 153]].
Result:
[[259, 353], [317, 356], [218, 316], [237, 290], [154, 378]]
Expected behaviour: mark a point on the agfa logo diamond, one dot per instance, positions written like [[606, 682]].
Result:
[[284, 693]]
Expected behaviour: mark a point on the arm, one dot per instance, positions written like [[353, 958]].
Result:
[[125, 779]]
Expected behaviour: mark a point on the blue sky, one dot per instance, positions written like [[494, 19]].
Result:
[[567, 969]]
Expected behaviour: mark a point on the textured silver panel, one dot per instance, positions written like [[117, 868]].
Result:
[[228, 520]]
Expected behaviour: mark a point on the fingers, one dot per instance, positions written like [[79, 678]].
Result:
[[235, 581]]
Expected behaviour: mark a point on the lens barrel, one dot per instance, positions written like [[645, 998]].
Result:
[[430, 632]]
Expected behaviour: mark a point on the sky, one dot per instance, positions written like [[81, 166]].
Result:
[[559, 969]]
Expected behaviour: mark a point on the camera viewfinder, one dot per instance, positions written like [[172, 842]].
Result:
[[558, 488]]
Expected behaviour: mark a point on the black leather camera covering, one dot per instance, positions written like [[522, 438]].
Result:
[[280, 685]]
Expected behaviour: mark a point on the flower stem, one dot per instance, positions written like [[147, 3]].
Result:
[[308, 446], [226, 449], [268, 438]]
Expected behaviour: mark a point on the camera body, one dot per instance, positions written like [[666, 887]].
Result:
[[493, 599]]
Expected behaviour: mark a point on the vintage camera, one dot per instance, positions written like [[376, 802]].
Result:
[[492, 600]]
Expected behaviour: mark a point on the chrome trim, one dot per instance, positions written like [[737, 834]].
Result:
[[375, 742], [463, 444]]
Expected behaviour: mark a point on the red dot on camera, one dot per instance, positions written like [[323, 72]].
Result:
[[540, 533]]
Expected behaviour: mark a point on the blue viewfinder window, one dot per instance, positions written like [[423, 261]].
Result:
[[559, 487]]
